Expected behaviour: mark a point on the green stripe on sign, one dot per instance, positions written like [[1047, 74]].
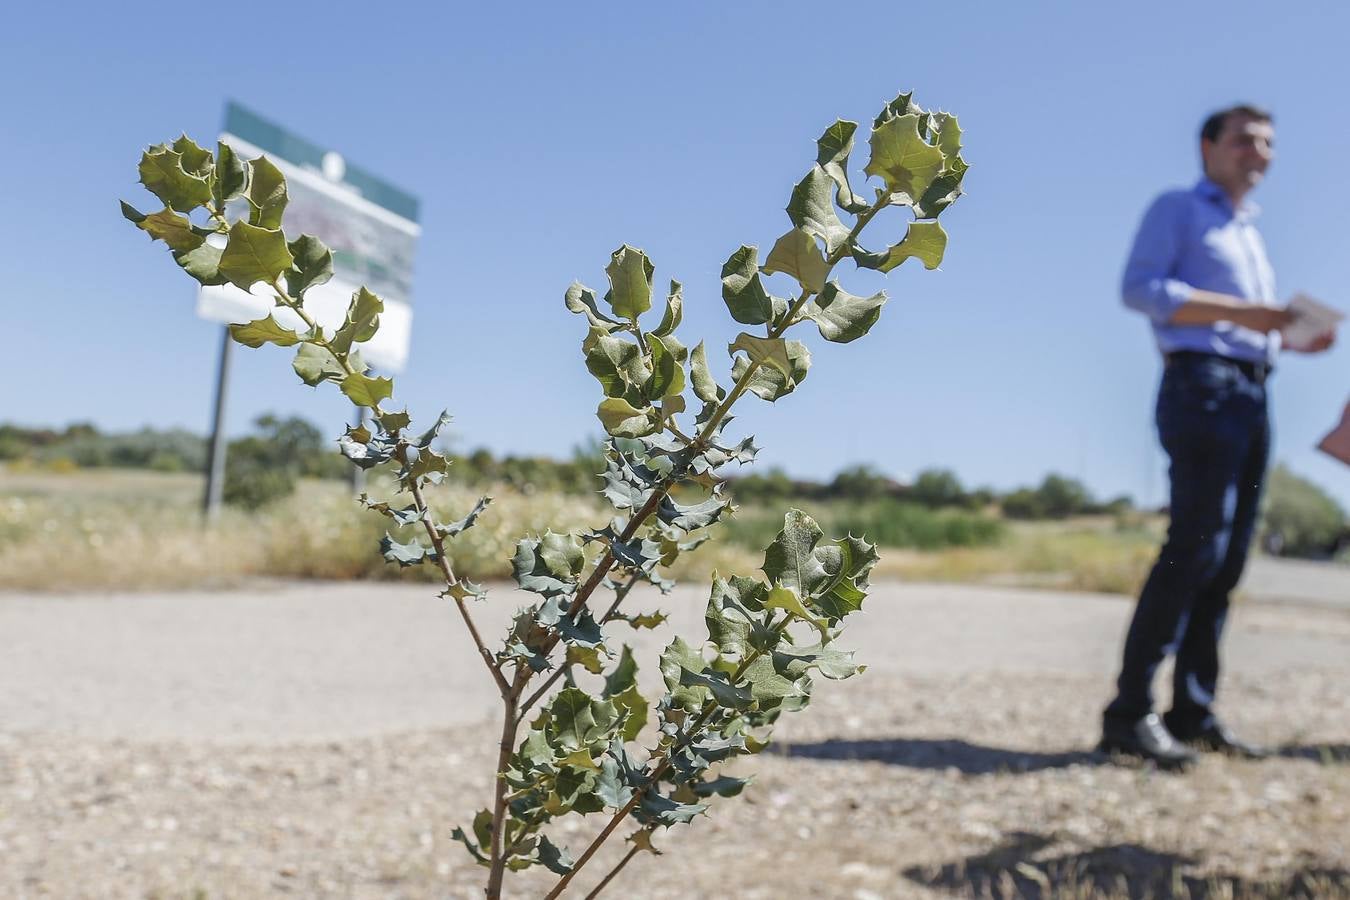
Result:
[[272, 138]]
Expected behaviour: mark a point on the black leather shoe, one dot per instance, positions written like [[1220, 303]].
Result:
[[1216, 738], [1148, 739]]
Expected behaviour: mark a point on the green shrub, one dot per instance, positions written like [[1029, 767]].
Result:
[[1300, 518]]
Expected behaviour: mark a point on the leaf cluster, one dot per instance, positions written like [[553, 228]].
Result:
[[665, 408]]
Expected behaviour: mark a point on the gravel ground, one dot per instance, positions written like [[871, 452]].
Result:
[[323, 740]]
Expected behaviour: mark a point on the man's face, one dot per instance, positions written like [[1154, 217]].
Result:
[[1238, 158]]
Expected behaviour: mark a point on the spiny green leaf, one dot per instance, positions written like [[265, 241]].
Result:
[[903, 159], [832, 577], [254, 254], [948, 133], [266, 330], [451, 529], [132, 214], [428, 437], [825, 658], [674, 310], [768, 687], [464, 589], [554, 858], [424, 463], [312, 265], [363, 320], [729, 621], [624, 674], [790, 561], [366, 452], [847, 563], [630, 279], [196, 159], [548, 565], [622, 419], [586, 657], [459, 835], [705, 388], [812, 208], [315, 364], [616, 363], [403, 516], [266, 193], [742, 289], [665, 811], [667, 379], [842, 317], [163, 174], [832, 152], [693, 515], [722, 786], [770, 384], [394, 421], [405, 555], [944, 190], [203, 264], [634, 708], [902, 105], [581, 300], [786, 598], [578, 721], [231, 175], [581, 630], [926, 241], [610, 786], [366, 391], [677, 659], [765, 351], [797, 254], [167, 226]]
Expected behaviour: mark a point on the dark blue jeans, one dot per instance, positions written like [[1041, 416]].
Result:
[[1213, 423]]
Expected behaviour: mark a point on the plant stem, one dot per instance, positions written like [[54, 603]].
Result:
[[614, 871], [496, 858], [437, 542]]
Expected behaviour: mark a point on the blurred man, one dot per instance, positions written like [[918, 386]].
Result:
[[1198, 270]]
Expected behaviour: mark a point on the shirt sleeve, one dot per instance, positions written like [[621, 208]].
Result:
[[1148, 285]]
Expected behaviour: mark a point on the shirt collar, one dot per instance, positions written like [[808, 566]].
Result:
[[1211, 191]]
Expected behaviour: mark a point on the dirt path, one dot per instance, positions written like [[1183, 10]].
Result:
[[322, 740]]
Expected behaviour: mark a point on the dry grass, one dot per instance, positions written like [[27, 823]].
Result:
[[110, 529], [126, 530], [1086, 556]]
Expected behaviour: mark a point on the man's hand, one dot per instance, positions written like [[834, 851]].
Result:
[[1319, 345]]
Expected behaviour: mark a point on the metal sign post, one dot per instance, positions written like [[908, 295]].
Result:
[[215, 460]]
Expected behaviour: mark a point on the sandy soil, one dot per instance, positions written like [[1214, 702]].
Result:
[[315, 740]]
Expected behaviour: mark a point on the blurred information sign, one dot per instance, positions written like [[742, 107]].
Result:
[[370, 225]]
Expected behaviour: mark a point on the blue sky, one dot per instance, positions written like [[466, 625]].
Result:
[[541, 137]]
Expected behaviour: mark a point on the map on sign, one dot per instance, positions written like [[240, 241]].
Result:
[[370, 225]]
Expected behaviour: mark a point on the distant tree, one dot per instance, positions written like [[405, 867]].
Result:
[[263, 467], [1300, 519], [1023, 503], [937, 487], [860, 482], [1062, 497], [774, 484]]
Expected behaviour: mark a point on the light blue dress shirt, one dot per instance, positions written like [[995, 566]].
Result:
[[1195, 239]]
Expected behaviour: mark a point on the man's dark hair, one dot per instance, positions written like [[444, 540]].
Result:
[[1214, 124]]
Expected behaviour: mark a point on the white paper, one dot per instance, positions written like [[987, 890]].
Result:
[[1313, 320]]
